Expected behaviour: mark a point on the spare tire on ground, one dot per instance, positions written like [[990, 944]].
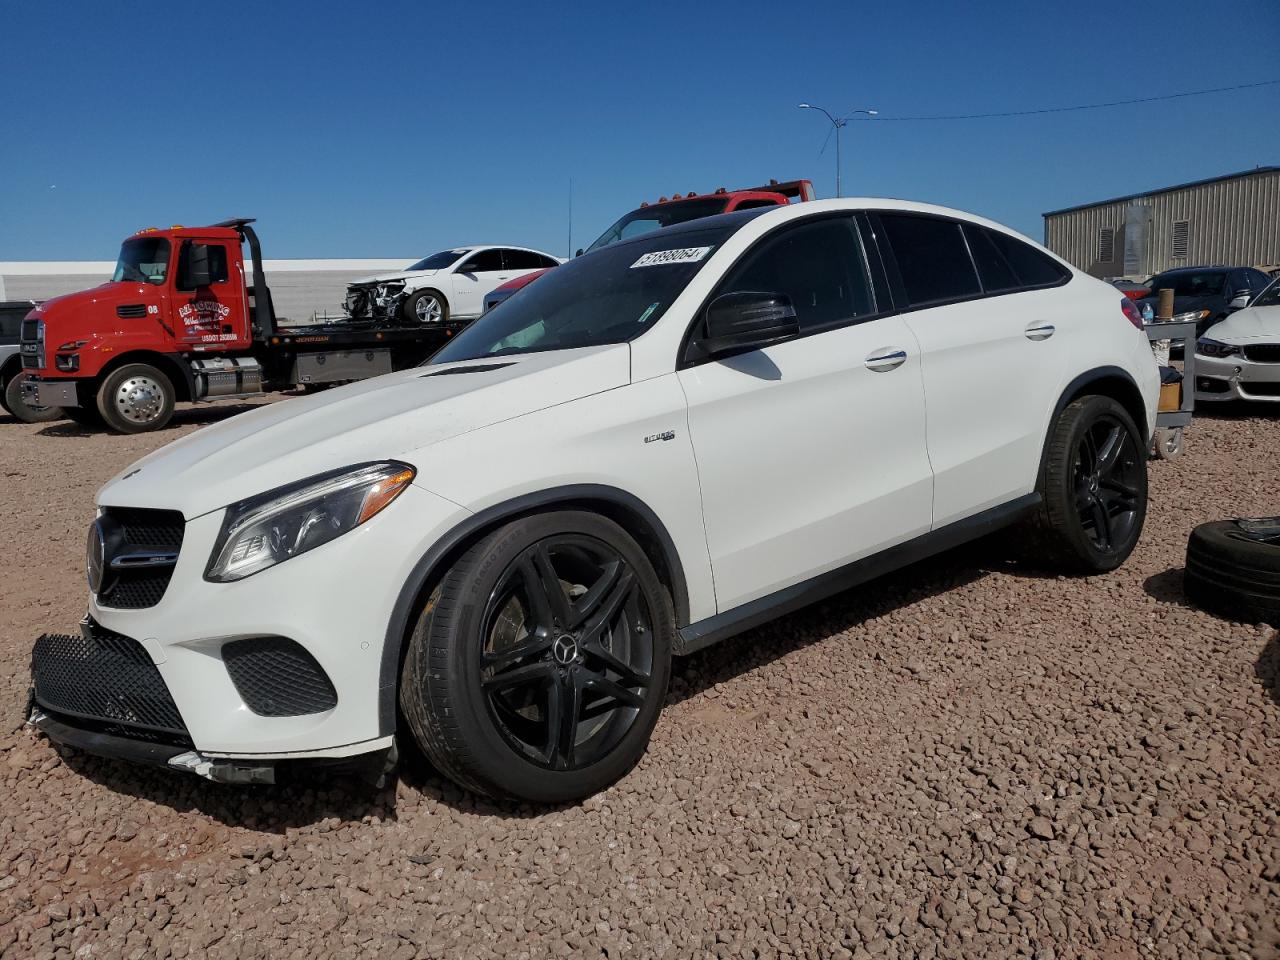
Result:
[[1233, 569]]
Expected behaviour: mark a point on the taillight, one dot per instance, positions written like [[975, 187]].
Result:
[[1131, 312]]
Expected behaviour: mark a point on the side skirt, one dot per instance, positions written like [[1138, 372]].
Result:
[[704, 633]]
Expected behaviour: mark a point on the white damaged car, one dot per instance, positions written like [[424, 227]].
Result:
[[452, 283], [1239, 358]]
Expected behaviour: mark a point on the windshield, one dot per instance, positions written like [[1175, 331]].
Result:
[[647, 219], [437, 261], [1207, 283], [610, 296], [143, 260], [1270, 297]]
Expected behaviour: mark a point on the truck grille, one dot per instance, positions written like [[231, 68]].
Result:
[[1263, 353], [107, 679], [277, 677], [142, 531], [32, 348]]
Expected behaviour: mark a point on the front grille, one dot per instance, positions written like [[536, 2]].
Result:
[[142, 530], [131, 311], [1263, 353], [106, 678], [277, 677], [30, 329]]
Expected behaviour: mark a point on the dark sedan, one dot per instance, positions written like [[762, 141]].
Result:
[[1209, 292]]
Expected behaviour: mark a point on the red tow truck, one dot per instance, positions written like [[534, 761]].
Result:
[[185, 318], [671, 210]]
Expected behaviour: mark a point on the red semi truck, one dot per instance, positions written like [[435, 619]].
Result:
[[185, 318]]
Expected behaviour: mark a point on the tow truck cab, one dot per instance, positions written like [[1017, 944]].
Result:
[[185, 317]]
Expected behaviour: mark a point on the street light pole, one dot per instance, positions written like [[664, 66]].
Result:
[[836, 124]]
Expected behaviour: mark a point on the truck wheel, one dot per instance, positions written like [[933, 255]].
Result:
[[136, 398], [17, 404], [424, 307], [1093, 488], [540, 664]]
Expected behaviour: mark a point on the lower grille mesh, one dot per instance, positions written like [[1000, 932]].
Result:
[[103, 676], [277, 677]]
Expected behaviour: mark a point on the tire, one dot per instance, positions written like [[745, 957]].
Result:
[[135, 399], [17, 404], [417, 308], [1091, 513], [1233, 569], [482, 693]]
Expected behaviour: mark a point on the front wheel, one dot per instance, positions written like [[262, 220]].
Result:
[[540, 664], [17, 404], [1093, 488], [136, 398], [424, 307]]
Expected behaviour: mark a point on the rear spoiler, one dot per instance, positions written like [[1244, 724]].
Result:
[[791, 189]]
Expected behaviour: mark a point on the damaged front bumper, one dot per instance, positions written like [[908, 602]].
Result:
[[376, 301]]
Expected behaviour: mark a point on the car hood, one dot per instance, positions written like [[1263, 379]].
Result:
[[393, 417], [397, 275], [109, 293], [1251, 323]]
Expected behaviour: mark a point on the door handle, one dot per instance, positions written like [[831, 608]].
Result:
[[885, 359], [1039, 331]]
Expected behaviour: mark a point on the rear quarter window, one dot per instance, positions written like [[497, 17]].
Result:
[[1033, 267]]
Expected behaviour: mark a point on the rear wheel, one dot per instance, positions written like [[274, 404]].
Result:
[[1094, 488], [17, 404], [540, 665], [136, 398]]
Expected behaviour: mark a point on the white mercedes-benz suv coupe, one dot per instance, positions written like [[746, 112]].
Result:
[[448, 284], [654, 447]]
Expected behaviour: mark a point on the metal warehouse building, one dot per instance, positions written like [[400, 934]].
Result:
[[1232, 220]]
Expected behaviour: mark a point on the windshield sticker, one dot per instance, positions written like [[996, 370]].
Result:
[[662, 257], [645, 316]]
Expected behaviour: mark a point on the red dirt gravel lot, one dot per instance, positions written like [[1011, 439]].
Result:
[[968, 759]]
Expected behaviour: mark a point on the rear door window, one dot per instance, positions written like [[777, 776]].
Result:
[[522, 260], [818, 264], [932, 258]]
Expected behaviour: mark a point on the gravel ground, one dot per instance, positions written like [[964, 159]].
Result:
[[970, 758]]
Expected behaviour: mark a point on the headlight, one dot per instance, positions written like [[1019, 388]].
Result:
[[1216, 348], [265, 530]]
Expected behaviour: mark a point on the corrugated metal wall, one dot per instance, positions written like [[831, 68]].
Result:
[[1234, 222]]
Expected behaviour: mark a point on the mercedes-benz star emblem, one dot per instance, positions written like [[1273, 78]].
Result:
[[565, 649]]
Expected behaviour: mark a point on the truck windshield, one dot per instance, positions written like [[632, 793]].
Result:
[[437, 261], [143, 260], [647, 219], [610, 296]]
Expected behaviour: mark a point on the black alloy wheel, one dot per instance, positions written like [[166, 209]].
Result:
[[567, 657], [1093, 489], [1108, 481], [539, 664]]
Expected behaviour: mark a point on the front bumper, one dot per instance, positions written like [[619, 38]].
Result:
[[171, 675], [1236, 378], [50, 393]]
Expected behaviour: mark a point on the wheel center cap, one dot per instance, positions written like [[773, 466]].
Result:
[[564, 649]]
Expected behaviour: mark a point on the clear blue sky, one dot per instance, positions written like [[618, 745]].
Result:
[[395, 129]]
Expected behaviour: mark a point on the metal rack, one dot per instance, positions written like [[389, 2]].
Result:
[[1167, 441]]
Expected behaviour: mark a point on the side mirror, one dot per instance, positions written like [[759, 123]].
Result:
[[749, 320], [1240, 300], [579, 253], [195, 272]]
